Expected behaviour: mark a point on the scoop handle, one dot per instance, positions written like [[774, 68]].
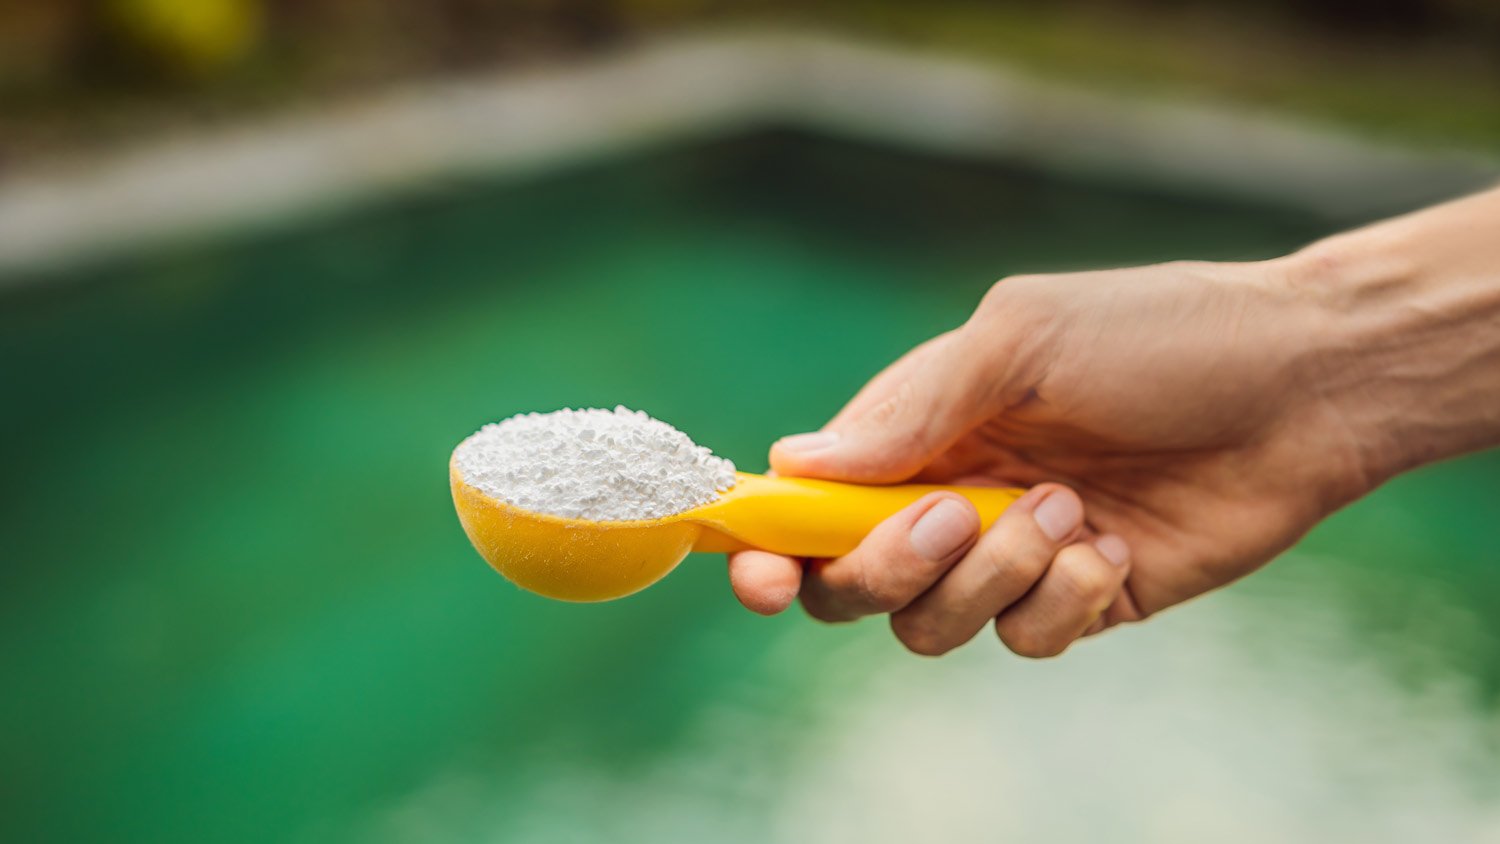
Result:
[[802, 517]]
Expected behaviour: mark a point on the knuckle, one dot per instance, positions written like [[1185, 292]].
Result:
[[1023, 641], [882, 594], [918, 637], [1008, 295], [1006, 560], [865, 583], [1090, 584], [1086, 576], [894, 433], [820, 610], [892, 406], [897, 423], [994, 296], [997, 300]]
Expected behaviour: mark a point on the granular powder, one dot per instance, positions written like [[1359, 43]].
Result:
[[593, 464]]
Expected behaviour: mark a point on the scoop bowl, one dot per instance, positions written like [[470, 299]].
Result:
[[582, 560]]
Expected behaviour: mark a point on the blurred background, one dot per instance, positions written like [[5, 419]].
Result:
[[236, 604]]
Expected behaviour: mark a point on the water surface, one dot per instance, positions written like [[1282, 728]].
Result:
[[237, 605]]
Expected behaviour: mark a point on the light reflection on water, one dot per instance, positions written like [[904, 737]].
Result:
[[1257, 714]]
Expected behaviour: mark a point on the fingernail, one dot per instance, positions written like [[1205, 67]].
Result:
[[1058, 515], [803, 443], [1113, 548], [942, 530]]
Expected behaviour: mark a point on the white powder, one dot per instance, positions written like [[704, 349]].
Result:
[[600, 465]]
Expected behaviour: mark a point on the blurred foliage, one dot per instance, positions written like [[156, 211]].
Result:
[[48, 43], [75, 73], [1422, 83], [195, 38]]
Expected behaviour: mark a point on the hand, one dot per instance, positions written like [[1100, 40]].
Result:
[[1169, 419]]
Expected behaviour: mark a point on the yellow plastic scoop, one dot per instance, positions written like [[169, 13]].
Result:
[[580, 560]]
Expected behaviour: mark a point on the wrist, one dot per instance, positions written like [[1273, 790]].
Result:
[[1406, 355]]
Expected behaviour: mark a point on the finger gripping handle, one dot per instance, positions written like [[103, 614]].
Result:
[[802, 517]]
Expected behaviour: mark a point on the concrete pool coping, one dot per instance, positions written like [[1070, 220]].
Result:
[[697, 86]]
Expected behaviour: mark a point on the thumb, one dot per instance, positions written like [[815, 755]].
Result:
[[901, 421]]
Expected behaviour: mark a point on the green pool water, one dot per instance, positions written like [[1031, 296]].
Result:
[[237, 605]]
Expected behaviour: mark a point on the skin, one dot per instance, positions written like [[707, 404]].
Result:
[[1179, 426]]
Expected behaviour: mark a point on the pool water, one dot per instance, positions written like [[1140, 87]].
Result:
[[237, 604]]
